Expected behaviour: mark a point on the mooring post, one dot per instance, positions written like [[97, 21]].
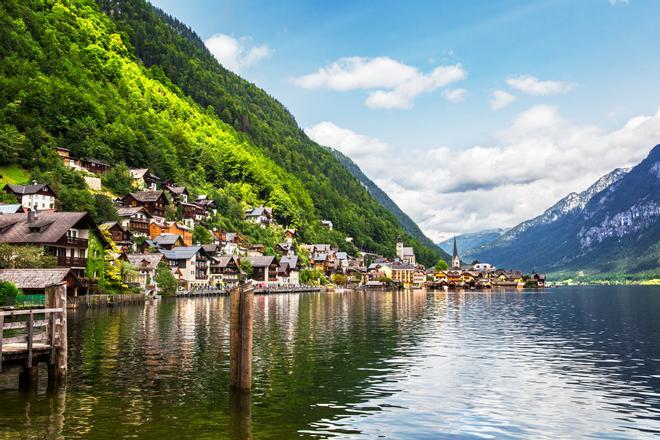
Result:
[[240, 337], [56, 298]]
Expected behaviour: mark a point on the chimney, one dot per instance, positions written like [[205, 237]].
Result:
[[34, 182]]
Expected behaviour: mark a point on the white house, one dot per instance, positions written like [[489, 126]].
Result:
[[38, 196], [189, 264]]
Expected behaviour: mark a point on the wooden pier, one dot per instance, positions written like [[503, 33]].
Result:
[[29, 337]]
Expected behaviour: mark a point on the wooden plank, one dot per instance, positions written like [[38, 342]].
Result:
[[29, 340], [28, 312], [23, 324], [2, 324], [15, 339], [53, 333]]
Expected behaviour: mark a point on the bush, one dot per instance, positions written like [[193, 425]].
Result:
[[167, 283], [7, 290]]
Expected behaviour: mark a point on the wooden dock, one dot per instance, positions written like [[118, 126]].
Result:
[[33, 336]]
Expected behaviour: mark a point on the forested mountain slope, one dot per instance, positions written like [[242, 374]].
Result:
[[71, 76], [408, 224], [613, 226]]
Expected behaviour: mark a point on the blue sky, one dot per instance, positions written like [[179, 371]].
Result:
[[359, 76]]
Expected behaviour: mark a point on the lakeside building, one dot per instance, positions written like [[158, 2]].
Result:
[[189, 264]]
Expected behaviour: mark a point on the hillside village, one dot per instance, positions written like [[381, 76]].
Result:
[[160, 223]]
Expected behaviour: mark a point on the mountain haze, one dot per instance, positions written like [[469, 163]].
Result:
[[471, 240]]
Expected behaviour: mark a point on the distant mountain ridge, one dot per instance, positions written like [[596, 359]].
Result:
[[613, 226], [471, 240]]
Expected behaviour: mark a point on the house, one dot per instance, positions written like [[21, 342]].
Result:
[[260, 215], [167, 241], [38, 196], [225, 271], [289, 235], [288, 271], [379, 270], [11, 208], [154, 202], [207, 206], [143, 179], [483, 267], [539, 279], [37, 281], [118, 234], [95, 166], [228, 241], [256, 250], [404, 274], [146, 265], [71, 237], [405, 254], [179, 194], [264, 269], [192, 211], [159, 226], [135, 220], [189, 264], [327, 224]]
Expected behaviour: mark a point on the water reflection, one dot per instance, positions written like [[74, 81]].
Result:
[[567, 362]]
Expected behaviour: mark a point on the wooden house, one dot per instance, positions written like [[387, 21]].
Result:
[[153, 202]]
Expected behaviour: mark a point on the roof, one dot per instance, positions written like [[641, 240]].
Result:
[[177, 189], [166, 239], [138, 173], [408, 251], [224, 260], [53, 225], [146, 196], [291, 261], [10, 208], [181, 253], [108, 225], [26, 189], [129, 211], [34, 278], [145, 261], [261, 260], [341, 255], [210, 248], [98, 161], [260, 210]]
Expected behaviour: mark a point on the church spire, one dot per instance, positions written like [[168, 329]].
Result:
[[455, 259]]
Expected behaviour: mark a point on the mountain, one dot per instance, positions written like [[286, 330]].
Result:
[[613, 226], [408, 224], [466, 242], [119, 80]]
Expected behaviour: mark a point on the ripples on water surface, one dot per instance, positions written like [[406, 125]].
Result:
[[567, 362]]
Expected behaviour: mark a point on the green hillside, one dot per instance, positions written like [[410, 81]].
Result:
[[136, 87]]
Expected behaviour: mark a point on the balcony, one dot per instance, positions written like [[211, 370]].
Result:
[[71, 261], [138, 225], [73, 242]]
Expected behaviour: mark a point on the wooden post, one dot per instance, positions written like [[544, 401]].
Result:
[[56, 298], [240, 338], [2, 325]]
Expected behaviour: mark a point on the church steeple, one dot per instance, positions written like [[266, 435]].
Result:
[[455, 259]]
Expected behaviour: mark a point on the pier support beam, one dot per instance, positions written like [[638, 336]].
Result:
[[57, 365], [28, 379], [240, 338]]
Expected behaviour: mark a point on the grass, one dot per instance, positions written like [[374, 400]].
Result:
[[13, 174]]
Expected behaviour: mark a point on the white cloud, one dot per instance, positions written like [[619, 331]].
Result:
[[348, 142], [455, 95], [531, 85], [236, 54], [619, 2], [397, 84], [538, 159], [500, 99]]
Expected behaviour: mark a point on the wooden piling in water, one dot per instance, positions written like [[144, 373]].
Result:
[[240, 338]]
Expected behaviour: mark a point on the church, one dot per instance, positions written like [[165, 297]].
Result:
[[405, 254], [455, 259]]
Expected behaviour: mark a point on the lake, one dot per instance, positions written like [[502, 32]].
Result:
[[564, 362]]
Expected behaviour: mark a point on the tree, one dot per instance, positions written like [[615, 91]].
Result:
[[246, 267], [165, 280], [202, 235], [105, 210], [24, 257], [118, 180], [7, 290], [11, 143], [338, 279], [441, 265]]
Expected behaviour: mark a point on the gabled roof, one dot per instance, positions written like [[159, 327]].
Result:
[[98, 161], [178, 190], [35, 278], [130, 211], [224, 260], [52, 226], [146, 196], [210, 248], [27, 189], [261, 260], [260, 210], [138, 173], [166, 239], [291, 261], [145, 261], [182, 252]]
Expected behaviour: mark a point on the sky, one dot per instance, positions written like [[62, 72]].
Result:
[[470, 115]]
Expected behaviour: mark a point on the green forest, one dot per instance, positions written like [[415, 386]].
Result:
[[122, 82]]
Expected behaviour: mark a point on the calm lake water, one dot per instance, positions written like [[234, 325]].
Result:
[[565, 362]]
